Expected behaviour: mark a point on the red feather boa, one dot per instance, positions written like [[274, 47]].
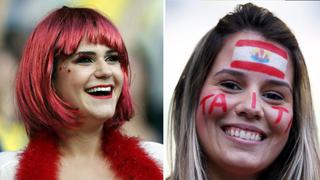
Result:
[[41, 158]]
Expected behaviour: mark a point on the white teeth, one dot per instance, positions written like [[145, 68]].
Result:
[[243, 134], [237, 133], [96, 89], [248, 135]]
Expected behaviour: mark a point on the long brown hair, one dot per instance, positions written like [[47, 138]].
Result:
[[300, 157]]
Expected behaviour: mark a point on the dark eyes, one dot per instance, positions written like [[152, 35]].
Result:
[[111, 59], [84, 59], [230, 85], [273, 96]]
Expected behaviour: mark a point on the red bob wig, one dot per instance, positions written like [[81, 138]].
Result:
[[59, 35]]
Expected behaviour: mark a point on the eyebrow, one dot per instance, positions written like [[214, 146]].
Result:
[[92, 53], [112, 51], [231, 72], [279, 83]]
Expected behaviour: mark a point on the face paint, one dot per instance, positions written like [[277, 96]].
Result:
[[218, 101], [203, 102], [261, 57], [280, 113], [254, 100], [289, 125]]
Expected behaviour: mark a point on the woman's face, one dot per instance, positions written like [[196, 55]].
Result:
[[245, 108], [91, 80]]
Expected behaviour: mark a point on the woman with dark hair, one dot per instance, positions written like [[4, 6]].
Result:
[[242, 108], [72, 90]]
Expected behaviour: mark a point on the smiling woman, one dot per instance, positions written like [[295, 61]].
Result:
[[93, 70], [72, 91], [242, 107]]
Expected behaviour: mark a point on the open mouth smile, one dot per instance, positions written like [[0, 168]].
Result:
[[100, 91], [245, 134]]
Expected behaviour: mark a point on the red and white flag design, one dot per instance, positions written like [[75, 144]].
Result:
[[261, 57]]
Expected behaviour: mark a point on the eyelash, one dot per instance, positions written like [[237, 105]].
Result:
[[270, 95], [112, 58], [230, 85], [274, 96], [87, 59], [84, 59]]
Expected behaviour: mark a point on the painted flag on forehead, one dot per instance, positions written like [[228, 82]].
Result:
[[261, 57]]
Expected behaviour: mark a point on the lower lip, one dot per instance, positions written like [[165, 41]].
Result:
[[241, 141], [102, 97]]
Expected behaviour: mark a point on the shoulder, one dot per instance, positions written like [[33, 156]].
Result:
[[154, 150], [8, 164]]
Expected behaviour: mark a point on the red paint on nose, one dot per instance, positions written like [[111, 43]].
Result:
[[254, 100]]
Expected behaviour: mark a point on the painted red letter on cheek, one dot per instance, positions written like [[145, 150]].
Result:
[[219, 101], [280, 113], [203, 102]]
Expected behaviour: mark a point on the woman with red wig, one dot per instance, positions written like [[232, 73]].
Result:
[[72, 90]]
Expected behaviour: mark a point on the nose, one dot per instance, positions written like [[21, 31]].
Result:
[[103, 70], [250, 107]]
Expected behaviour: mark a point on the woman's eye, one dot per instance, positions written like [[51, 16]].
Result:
[[230, 85], [112, 58], [83, 60], [273, 96]]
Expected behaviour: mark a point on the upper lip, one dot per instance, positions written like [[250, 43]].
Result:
[[246, 127]]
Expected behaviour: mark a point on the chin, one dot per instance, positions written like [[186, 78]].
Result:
[[100, 112], [100, 116], [243, 165], [103, 116]]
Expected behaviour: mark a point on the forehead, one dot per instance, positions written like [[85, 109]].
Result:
[[250, 53]]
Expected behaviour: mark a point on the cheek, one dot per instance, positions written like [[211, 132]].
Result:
[[70, 81], [121, 81], [120, 75], [213, 104], [280, 118]]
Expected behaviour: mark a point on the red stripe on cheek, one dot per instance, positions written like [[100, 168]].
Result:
[[254, 100]]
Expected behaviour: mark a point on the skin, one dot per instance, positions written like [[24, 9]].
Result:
[[80, 147], [88, 67], [250, 98]]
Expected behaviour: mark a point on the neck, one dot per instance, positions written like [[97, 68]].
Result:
[[216, 173], [81, 142]]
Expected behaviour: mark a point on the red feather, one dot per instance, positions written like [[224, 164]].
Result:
[[128, 160]]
